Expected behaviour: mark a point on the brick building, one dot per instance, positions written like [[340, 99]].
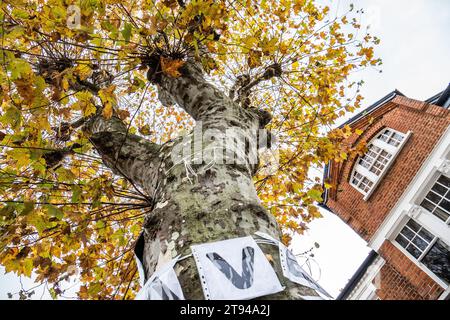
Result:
[[397, 198]]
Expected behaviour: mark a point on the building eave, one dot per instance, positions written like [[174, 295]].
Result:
[[351, 284]]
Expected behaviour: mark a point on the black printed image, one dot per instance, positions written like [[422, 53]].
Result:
[[243, 281]]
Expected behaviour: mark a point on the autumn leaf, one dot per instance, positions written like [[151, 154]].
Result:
[[109, 99], [107, 111], [123, 114], [254, 59], [145, 130], [171, 67], [83, 71]]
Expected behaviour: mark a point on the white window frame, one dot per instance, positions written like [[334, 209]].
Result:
[[418, 261], [394, 151], [426, 189]]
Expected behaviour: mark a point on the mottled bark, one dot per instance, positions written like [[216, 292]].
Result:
[[125, 154], [196, 200]]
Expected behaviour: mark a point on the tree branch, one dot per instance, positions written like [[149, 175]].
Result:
[[128, 155], [244, 84]]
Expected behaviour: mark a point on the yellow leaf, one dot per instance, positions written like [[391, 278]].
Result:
[[83, 71], [107, 111], [254, 59], [171, 67], [65, 84], [108, 98], [358, 132], [145, 130]]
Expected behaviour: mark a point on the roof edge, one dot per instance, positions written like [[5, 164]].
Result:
[[351, 284], [373, 107]]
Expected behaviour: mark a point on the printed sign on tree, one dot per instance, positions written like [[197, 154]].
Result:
[[234, 269], [163, 285]]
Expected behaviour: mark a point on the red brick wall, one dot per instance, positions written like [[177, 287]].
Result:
[[427, 122], [401, 279]]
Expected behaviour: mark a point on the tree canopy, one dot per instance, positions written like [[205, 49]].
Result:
[[63, 212]]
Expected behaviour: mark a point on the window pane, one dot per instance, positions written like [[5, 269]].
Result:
[[408, 233], [393, 142], [364, 163], [375, 149], [414, 251], [402, 241], [420, 243], [375, 170], [427, 205], [426, 235], [445, 181], [441, 214], [433, 197], [413, 225], [439, 188], [397, 137], [445, 204], [438, 260], [414, 238]]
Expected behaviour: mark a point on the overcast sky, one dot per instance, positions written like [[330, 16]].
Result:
[[415, 49]]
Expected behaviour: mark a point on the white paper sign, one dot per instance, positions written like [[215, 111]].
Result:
[[162, 285], [234, 269], [292, 269], [294, 272]]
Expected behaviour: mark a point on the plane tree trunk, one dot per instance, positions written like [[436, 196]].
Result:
[[200, 184]]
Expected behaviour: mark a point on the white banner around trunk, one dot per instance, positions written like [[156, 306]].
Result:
[[163, 285], [294, 272], [234, 269], [292, 269]]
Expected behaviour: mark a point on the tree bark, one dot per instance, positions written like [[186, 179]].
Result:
[[203, 195]]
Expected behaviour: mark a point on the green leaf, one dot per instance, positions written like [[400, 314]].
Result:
[[27, 267], [99, 224], [7, 210], [54, 211], [53, 293], [19, 13], [19, 68], [126, 32], [65, 175], [11, 117], [76, 193], [38, 222], [28, 207], [315, 195]]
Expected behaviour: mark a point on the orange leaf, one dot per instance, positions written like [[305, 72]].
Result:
[[171, 67]]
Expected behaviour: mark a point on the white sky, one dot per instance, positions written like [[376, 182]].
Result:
[[415, 49]]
